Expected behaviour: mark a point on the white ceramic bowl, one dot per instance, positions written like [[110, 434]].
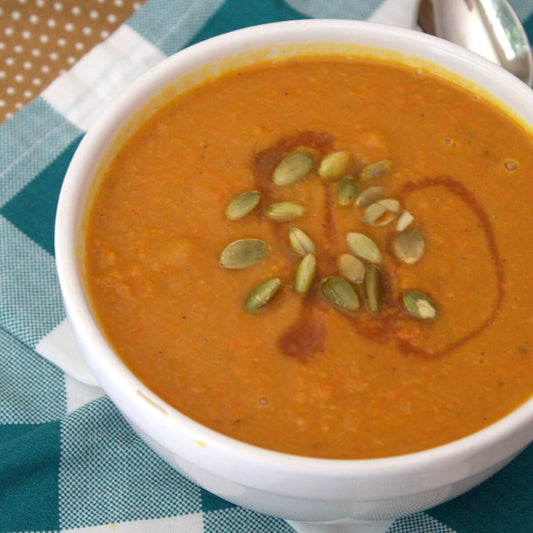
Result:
[[288, 486]]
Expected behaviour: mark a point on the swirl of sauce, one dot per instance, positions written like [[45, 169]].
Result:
[[306, 336], [467, 197]]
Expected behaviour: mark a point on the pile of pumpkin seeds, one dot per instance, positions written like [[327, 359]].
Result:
[[358, 270]]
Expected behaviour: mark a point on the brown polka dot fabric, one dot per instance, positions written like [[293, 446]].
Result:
[[40, 39]]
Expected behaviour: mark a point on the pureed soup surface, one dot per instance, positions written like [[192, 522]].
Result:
[[304, 374]]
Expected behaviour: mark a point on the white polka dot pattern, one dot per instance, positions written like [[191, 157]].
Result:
[[41, 39]]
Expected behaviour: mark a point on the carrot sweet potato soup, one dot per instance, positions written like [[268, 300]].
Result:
[[330, 257]]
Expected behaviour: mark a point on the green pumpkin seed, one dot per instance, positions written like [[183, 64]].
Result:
[[382, 212], [369, 196], [262, 294], [285, 211], [300, 242], [340, 292], [243, 253], [373, 288], [351, 268], [419, 305], [404, 220], [364, 247], [409, 246], [334, 165], [305, 273], [243, 204], [376, 170], [293, 168], [346, 191]]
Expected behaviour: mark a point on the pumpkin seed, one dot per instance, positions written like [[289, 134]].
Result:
[[243, 253], [419, 305], [300, 242], [284, 211], [409, 246], [373, 288], [382, 212], [364, 247], [340, 292], [305, 273], [376, 170], [369, 196], [262, 294], [334, 165], [404, 220], [346, 191], [242, 204], [351, 268], [293, 168], [392, 205]]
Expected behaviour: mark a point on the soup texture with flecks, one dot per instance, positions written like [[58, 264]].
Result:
[[425, 337]]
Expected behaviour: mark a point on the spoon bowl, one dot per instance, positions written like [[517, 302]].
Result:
[[488, 27]]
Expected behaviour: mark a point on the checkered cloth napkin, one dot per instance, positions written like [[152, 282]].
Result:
[[68, 460]]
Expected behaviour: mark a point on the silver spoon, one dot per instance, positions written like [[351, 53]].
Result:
[[487, 27]]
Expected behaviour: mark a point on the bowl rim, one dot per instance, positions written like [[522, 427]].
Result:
[[103, 360]]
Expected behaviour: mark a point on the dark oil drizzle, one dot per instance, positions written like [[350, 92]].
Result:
[[306, 336], [266, 161], [468, 197]]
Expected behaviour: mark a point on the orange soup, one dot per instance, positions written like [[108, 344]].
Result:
[[329, 257]]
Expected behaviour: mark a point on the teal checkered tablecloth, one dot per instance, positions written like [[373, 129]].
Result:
[[68, 460]]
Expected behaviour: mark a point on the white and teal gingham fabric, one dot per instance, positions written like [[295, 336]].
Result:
[[68, 460]]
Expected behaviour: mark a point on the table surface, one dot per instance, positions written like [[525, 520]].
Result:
[[41, 39], [68, 460]]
